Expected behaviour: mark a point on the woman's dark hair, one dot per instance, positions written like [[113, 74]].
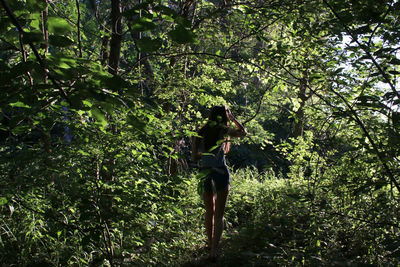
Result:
[[215, 128]]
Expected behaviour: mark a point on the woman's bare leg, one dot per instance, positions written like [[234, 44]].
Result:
[[209, 216], [220, 203]]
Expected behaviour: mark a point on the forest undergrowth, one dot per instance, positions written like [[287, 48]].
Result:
[[279, 222], [269, 221]]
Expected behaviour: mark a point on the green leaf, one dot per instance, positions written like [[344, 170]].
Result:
[[99, 116], [396, 119], [135, 11], [142, 25], [58, 25], [394, 72], [21, 68], [166, 11], [115, 82], [36, 5], [60, 41], [182, 35], [178, 211], [22, 129], [136, 122], [362, 29], [32, 37], [4, 24], [3, 201], [146, 44], [395, 61], [182, 21], [19, 104]]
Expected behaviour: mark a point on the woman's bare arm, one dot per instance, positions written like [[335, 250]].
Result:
[[240, 131]]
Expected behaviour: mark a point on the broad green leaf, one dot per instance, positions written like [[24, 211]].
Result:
[[58, 25], [395, 61], [146, 44], [182, 35], [60, 41], [135, 11], [182, 21], [362, 29], [21, 69], [36, 5], [136, 122], [32, 37], [166, 11], [394, 72], [99, 116], [3, 201], [142, 25], [5, 22], [114, 83], [19, 104]]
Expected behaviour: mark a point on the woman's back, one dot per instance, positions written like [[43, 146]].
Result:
[[212, 146]]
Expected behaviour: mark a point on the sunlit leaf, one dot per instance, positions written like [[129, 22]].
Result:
[[142, 25], [3, 201], [58, 25], [99, 116], [19, 105], [179, 211]]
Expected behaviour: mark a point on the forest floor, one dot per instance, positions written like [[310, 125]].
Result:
[[201, 255], [234, 250]]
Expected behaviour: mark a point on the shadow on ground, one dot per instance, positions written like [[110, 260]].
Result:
[[248, 247]]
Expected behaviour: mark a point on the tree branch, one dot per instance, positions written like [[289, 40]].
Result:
[[368, 54], [258, 107]]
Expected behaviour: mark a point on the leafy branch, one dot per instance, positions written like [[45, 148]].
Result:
[[35, 51]]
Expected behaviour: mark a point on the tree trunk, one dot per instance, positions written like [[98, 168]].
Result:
[[298, 128], [116, 37]]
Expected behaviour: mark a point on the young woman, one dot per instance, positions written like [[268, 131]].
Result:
[[210, 149]]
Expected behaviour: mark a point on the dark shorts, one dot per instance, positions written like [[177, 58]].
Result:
[[220, 176]]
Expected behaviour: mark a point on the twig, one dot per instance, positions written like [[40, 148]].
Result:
[[20, 35], [373, 144]]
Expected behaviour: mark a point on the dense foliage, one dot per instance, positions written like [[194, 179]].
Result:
[[99, 100]]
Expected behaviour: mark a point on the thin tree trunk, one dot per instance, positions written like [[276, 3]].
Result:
[[79, 28], [298, 128], [116, 37], [45, 33]]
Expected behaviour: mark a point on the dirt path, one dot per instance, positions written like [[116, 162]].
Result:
[[230, 253]]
